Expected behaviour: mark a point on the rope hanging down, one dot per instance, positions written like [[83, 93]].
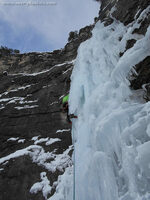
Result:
[[74, 171]]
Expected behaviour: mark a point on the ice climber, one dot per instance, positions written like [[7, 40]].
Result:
[[65, 108]]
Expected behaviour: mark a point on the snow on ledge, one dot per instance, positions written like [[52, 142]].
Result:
[[19, 153], [63, 130], [43, 186], [52, 140], [48, 141], [25, 107], [41, 140], [13, 139], [21, 140], [35, 138]]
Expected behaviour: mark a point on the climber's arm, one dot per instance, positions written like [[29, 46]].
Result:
[[72, 116]]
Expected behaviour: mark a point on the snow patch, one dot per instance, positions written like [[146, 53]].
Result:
[[13, 139], [67, 70], [55, 102], [2, 107], [61, 97], [21, 141], [35, 138], [21, 88], [21, 152], [45, 71], [52, 140], [26, 107], [58, 161], [64, 186], [27, 102], [41, 140], [48, 141], [13, 99], [43, 186], [63, 130]]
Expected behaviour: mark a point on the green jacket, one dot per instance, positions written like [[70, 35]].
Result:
[[65, 99]]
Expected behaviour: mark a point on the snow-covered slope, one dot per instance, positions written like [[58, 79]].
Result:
[[112, 132]]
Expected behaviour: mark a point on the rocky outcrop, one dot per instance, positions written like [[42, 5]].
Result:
[[141, 80], [36, 62], [127, 11]]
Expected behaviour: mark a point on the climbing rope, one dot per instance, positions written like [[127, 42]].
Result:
[[74, 171]]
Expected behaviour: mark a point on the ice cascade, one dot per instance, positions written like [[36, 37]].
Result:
[[112, 132]]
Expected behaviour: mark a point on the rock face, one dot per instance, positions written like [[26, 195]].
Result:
[[123, 10], [127, 11], [30, 106], [35, 137], [34, 133]]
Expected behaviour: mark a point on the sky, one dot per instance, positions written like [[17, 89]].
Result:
[[43, 28]]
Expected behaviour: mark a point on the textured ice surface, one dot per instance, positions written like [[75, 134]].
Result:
[[112, 132]]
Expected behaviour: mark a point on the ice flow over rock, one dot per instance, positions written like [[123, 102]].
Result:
[[112, 132]]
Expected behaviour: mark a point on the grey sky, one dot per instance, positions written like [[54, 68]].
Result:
[[44, 28]]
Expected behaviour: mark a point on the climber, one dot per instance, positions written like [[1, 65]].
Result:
[[65, 108]]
